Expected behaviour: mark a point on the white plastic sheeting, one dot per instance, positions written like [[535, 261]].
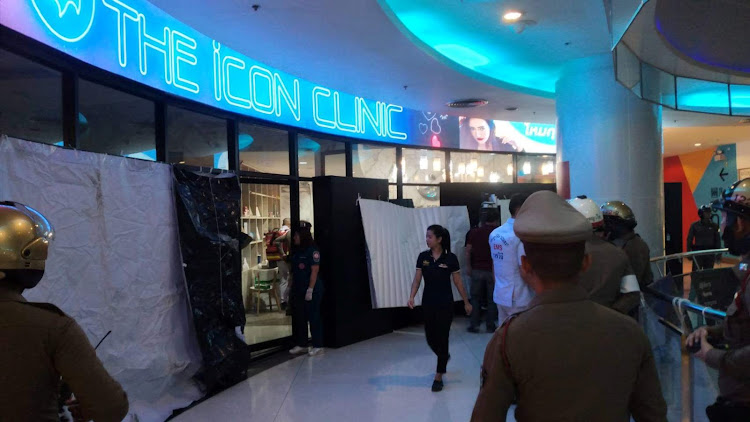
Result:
[[114, 264], [395, 236]]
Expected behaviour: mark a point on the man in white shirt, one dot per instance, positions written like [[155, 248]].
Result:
[[511, 294]]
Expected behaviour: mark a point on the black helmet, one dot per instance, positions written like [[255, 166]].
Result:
[[703, 209]]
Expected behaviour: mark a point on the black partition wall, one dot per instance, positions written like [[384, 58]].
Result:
[[348, 316]]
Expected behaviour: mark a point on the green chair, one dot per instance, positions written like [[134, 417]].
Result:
[[264, 281]]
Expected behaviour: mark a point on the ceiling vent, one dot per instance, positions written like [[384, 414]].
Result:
[[474, 102]]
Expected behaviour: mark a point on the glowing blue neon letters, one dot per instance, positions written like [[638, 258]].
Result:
[[135, 39]]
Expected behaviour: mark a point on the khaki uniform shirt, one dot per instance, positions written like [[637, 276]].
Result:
[[734, 364], [640, 257], [610, 280], [570, 359], [38, 344]]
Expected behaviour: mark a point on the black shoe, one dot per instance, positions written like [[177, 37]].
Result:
[[491, 328], [283, 306], [437, 386], [472, 329]]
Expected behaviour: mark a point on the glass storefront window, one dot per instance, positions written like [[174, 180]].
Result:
[[423, 196], [320, 157], [374, 162], [475, 167], [306, 210], [423, 166], [196, 139], [113, 122], [31, 106], [264, 278], [263, 150], [536, 169]]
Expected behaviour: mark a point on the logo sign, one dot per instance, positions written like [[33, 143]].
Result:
[[135, 39]]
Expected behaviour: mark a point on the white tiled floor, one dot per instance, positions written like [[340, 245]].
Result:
[[384, 379]]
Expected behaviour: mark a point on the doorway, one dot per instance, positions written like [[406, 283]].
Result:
[[673, 225], [265, 209]]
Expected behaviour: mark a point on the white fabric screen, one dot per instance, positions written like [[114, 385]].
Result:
[[395, 236], [114, 264]]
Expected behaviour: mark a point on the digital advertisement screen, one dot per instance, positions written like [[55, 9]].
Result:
[[503, 136]]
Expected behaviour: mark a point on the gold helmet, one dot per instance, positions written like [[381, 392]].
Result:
[[24, 237], [618, 209]]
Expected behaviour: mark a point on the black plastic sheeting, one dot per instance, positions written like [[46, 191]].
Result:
[[208, 210]]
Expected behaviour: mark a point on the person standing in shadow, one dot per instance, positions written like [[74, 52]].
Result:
[[306, 292], [702, 236]]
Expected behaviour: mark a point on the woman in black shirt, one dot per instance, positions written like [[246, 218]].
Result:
[[438, 266]]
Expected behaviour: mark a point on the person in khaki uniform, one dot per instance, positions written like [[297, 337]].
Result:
[[733, 363], [619, 223], [565, 358], [610, 280], [40, 344]]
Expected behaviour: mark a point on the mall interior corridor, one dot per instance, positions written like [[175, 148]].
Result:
[[191, 191], [384, 379]]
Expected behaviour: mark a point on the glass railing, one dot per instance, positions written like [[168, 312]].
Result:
[[620, 14], [676, 92], [660, 86], [675, 305]]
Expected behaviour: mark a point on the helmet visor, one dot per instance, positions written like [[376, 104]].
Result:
[[42, 227]]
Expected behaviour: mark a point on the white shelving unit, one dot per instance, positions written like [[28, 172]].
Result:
[[261, 213]]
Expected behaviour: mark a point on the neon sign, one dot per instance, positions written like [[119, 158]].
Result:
[[135, 39]]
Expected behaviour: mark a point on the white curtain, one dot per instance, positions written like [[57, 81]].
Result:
[[114, 264], [395, 236]]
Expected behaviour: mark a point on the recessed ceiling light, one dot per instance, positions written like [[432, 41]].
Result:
[[512, 16], [698, 144]]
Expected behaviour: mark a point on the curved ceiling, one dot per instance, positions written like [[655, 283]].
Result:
[[722, 25], [351, 46], [470, 35]]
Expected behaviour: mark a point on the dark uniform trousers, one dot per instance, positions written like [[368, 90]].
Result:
[[569, 359], [437, 328], [703, 262], [304, 312]]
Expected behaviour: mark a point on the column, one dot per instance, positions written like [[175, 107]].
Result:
[[612, 143]]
